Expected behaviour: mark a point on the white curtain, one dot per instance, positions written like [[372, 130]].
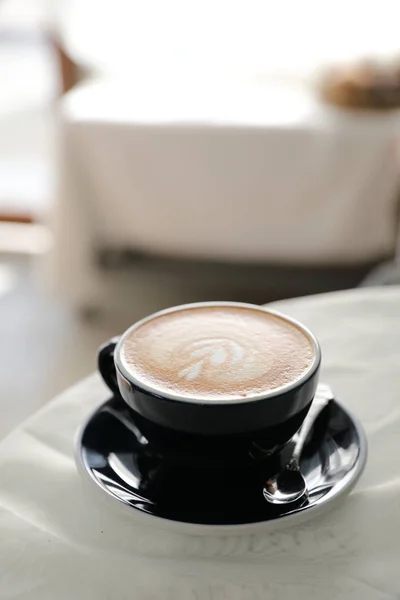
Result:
[[231, 37]]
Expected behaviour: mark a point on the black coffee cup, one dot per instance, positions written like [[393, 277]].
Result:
[[274, 416]]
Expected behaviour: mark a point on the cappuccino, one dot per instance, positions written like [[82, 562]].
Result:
[[217, 352]]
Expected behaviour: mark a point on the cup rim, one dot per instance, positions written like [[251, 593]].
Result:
[[226, 401]]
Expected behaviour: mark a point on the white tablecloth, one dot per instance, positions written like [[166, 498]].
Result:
[[244, 171], [57, 543]]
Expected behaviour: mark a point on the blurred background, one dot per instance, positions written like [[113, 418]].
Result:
[[161, 152]]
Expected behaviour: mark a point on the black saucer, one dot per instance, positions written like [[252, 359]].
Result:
[[113, 452]]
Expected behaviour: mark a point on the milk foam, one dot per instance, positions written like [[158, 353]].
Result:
[[217, 352]]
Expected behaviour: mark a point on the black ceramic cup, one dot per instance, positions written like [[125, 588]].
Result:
[[273, 417]]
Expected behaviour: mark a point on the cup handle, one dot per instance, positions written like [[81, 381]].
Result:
[[106, 365]]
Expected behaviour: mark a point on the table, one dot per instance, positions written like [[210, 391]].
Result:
[[236, 171], [56, 544]]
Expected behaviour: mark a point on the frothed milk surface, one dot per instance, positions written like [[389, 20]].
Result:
[[217, 352]]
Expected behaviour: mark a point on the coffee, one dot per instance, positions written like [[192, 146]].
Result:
[[217, 352]]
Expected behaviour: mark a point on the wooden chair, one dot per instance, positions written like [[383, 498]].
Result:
[[70, 73]]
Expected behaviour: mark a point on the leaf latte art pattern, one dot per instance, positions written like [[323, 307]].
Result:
[[210, 354]]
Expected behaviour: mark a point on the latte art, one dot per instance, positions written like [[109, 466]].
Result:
[[210, 355], [216, 352]]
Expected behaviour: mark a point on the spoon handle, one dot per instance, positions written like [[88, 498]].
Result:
[[322, 397]]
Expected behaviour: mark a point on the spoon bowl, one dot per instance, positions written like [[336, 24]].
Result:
[[285, 488]]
